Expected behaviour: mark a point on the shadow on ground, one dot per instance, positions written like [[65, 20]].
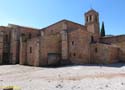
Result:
[[117, 65]]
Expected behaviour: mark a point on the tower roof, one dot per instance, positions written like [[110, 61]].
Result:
[[91, 11]]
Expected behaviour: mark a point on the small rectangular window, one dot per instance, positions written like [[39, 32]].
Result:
[[74, 54], [72, 42], [90, 18], [30, 35], [30, 49], [96, 50], [87, 19], [6, 38], [92, 39]]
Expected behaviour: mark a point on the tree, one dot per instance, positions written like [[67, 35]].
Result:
[[103, 30]]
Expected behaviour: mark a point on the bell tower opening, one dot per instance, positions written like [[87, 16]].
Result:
[[92, 15]]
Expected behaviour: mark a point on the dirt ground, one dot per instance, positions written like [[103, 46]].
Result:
[[86, 77]]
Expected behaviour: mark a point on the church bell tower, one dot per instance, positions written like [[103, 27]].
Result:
[[92, 24]]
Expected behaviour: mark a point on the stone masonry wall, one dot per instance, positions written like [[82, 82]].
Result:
[[64, 46], [6, 45], [113, 39], [33, 49], [55, 28], [79, 44], [50, 41], [14, 46], [119, 41], [53, 37], [121, 46], [49, 44], [23, 51], [1, 46], [104, 54], [16, 33]]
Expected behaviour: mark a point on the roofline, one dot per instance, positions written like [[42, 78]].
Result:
[[113, 36], [64, 20], [14, 25], [90, 11]]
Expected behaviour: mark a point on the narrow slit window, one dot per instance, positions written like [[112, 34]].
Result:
[[74, 54], [30, 49], [6, 38], [90, 17], [72, 42], [87, 20], [96, 50], [92, 39], [30, 35], [96, 19]]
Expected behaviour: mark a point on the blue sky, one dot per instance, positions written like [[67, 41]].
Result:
[[41, 13]]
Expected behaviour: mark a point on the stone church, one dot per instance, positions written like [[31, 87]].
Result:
[[64, 42]]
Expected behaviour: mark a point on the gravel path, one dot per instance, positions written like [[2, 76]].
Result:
[[64, 78]]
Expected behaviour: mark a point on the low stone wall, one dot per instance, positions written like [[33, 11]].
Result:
[[113, 39], [121, 46], [119, 41], [104, 54]]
